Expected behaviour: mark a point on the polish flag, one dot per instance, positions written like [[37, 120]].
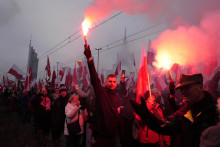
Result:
[[40, 84], [17, 72], [143, 77], [75, 81], [80, 70], [47, 68], [53, 79], [26, 84], [63, 81], [118, 68], [61, 73]]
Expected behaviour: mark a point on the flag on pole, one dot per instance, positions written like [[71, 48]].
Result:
[[63, 81], [143, 81], [17, 72], [75, 81], [26, 84], [53, 79], [61, 73], [47, 68], [80, 69], [118, 68], [40, 84]]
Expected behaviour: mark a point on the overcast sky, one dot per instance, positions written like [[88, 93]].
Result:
[[51, 21]]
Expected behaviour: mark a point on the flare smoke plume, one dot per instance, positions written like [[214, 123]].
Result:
[[191, 44], [195, 24]]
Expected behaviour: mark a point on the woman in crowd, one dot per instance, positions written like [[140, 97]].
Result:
[[73, 113]]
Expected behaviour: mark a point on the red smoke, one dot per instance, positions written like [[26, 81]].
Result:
[[195, 38], [191, 44]]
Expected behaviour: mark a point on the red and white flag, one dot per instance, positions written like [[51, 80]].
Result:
[[118, 68], [47, 68], [80, 69], [75, 81], [63, 81], [61, 73], [40, 84], [143, 81], [17, 72], [53, 79], [26, 84]]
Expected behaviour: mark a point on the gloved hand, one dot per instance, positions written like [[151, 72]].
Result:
[[87, 51], [140, 109], [171, 87]]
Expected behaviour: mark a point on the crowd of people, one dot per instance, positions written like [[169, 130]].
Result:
[[109, 116]]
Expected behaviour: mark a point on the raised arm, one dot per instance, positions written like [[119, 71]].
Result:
[[95, 81]]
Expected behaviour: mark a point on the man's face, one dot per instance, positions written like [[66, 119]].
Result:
[[63, 93], [111, 83], [191, 93], [44, 91]]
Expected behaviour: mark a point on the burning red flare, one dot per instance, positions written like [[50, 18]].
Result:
[[166, 63], [86, 25]]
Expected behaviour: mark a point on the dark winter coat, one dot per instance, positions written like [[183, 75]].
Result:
[[58, 111], [204, 115], [107, 101]]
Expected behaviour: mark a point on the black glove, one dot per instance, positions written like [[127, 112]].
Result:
[[171, 87], [140, 109], [87, 51]]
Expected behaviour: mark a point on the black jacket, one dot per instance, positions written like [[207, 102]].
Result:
[[204, 115], [107, 101], [58, 111]]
